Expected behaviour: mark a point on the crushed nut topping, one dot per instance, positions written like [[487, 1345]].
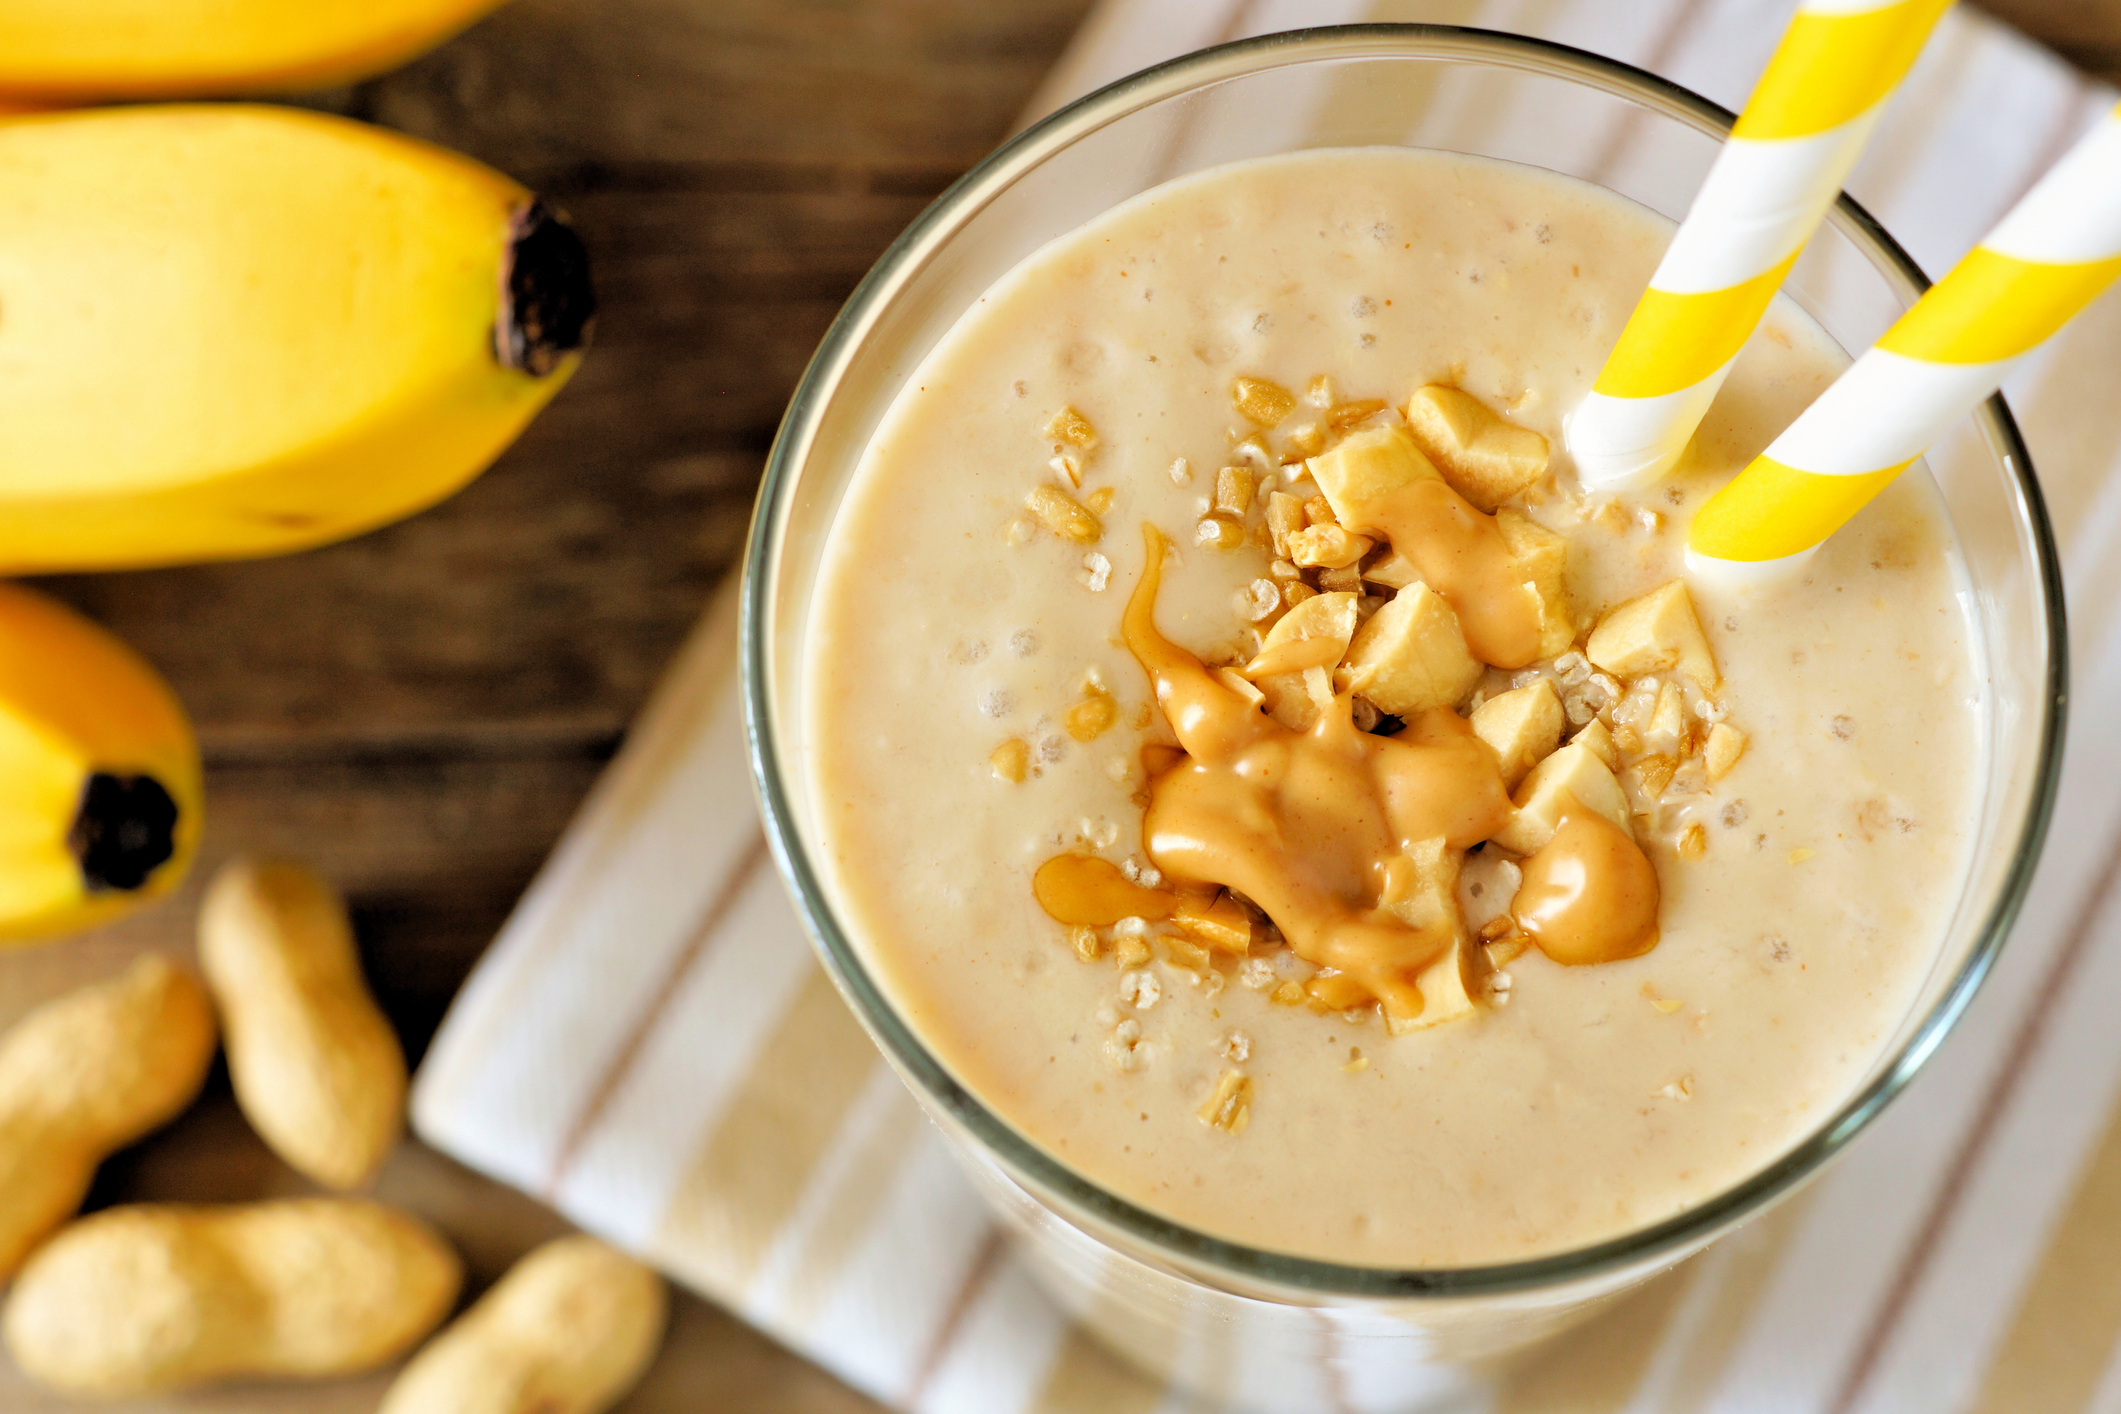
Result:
[[1261, 402], [1694, 841], [1258, 600], [1229, 1106], [1011, 761], [1063, 515], [1233, 492], [1090, 718], [1071, 427], [1220, 531]]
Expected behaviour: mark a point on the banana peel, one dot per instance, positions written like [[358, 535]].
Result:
[[82, 50], [232, 330], [100, 790]]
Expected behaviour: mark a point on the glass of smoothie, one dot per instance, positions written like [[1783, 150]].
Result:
[[1350, 900]]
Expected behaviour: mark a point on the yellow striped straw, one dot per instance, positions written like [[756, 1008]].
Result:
[[2051, 256], [1802, 129]]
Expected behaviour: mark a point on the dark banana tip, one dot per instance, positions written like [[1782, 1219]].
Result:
[[125, 830], [548, 304]]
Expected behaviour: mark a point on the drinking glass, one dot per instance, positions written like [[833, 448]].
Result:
[[1273, 1330]]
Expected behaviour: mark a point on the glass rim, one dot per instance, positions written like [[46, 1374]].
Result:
[[1019, 1156]]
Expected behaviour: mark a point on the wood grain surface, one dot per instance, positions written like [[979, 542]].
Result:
[[419, 711]]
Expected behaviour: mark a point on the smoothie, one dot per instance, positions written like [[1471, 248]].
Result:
[[1264, 777]]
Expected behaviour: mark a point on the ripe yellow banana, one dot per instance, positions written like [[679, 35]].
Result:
[[231, 330], [87, 49], [99, 775]]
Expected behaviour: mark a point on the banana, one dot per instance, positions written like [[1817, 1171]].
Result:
[[99, 774], [229, 331], [88, 49]]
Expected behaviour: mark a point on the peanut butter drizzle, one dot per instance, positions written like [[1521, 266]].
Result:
[[1462, 556], [1314, 827], [1589, 895], [1080, 889]]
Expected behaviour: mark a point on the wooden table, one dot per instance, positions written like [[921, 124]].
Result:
[[418, 711]]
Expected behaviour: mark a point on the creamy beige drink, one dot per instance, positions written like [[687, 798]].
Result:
[[1405, 867]]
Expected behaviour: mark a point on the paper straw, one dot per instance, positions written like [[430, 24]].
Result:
[[1802, 129], [2050, 257]]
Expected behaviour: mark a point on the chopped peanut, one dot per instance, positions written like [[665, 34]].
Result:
[[1222, 923], [1346, 415], [1599, 742], [1295, 699], [1132, 952], [1063, 515], [1421, 886], [1288, 994], [1306, 440], [1260, 402], [1220, 531], [1314, 634], [1365, 468], [1336, 991], [1652, 774], [1088, 946], [1257, 601], [1653, 634], [1188, 955], [1345, 580], [1522, 725], [1725, 745], [1666, 731], [1233, 491], [1285, 517], [1011, 761], [1391, 569], [1319, 511], [1090, 718], [1071, 427], [1570, 773], [1411, 655], [1694, 841], [1229, 1108], [1542, 564], [1486, 459], [1099, 501], [1444, 992], [1328, 547]]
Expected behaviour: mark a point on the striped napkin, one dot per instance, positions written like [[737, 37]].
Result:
[[650, 1048]]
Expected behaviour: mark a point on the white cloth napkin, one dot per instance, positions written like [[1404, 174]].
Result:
[[649, 1046]]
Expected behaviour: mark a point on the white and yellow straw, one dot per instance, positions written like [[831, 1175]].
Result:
[[1815, 105], [2051, 256]]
